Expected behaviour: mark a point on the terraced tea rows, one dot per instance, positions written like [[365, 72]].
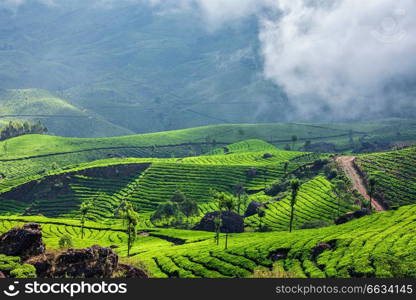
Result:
[[244, 146], [381, 245], [395, 173], [315, 202], [247, 159], [61, 195], [161, 181]]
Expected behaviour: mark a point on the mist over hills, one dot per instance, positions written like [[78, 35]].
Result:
[[130, 67]]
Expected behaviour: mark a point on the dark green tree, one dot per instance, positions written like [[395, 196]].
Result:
[[132, 219], [225, 202], [294, 186], [239, 192], [178, 197], [261, 213], [189, 208], [84, 209], [166, 210], [294, 140], [286, 167]]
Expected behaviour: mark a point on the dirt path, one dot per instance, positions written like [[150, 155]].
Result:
[[347, 164]]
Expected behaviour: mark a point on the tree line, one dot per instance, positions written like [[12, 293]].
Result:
[[14, 129]]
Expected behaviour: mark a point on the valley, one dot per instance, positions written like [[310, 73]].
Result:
[[337, 233]]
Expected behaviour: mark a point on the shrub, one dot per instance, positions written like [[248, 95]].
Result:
[[276, 272], [24, 271], [11, 265], [315, 224], [8, 263], [277, 188], [65, 241]]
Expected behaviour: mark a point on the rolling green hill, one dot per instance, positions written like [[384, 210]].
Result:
[[34, 154], [145, 182], [59, 116], [146, 72]]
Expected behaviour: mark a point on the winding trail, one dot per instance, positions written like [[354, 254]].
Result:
[[347, 165]]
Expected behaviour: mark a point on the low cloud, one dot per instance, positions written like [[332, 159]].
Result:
[[340, 56]]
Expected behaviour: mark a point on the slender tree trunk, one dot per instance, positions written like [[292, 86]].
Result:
[[226, 241], [292, 210], [82, 227], [128, 240]]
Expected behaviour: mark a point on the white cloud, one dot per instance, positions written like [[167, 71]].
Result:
[[340, 56]]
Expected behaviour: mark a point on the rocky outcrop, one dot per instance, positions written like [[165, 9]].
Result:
[[279, 254], [128, 271], [93, 262], [23, 242], [322, 247], [352, 215], [252, 208], [231, 222]]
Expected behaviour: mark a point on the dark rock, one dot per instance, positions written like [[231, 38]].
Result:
[[43, 264], [352, 215], [94, 262], [361, 213], [128, 271], [279, 254], [267, 155], [321, 247], [252, 208], [23, 242], [231, 222], [114, 247]]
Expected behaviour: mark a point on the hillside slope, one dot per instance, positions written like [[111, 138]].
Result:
[[380, 245], [395, 173], [59, 116]]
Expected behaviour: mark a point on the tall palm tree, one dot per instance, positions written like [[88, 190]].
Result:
[[294, 185]]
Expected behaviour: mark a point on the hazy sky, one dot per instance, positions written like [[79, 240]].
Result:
[[338, 54]]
